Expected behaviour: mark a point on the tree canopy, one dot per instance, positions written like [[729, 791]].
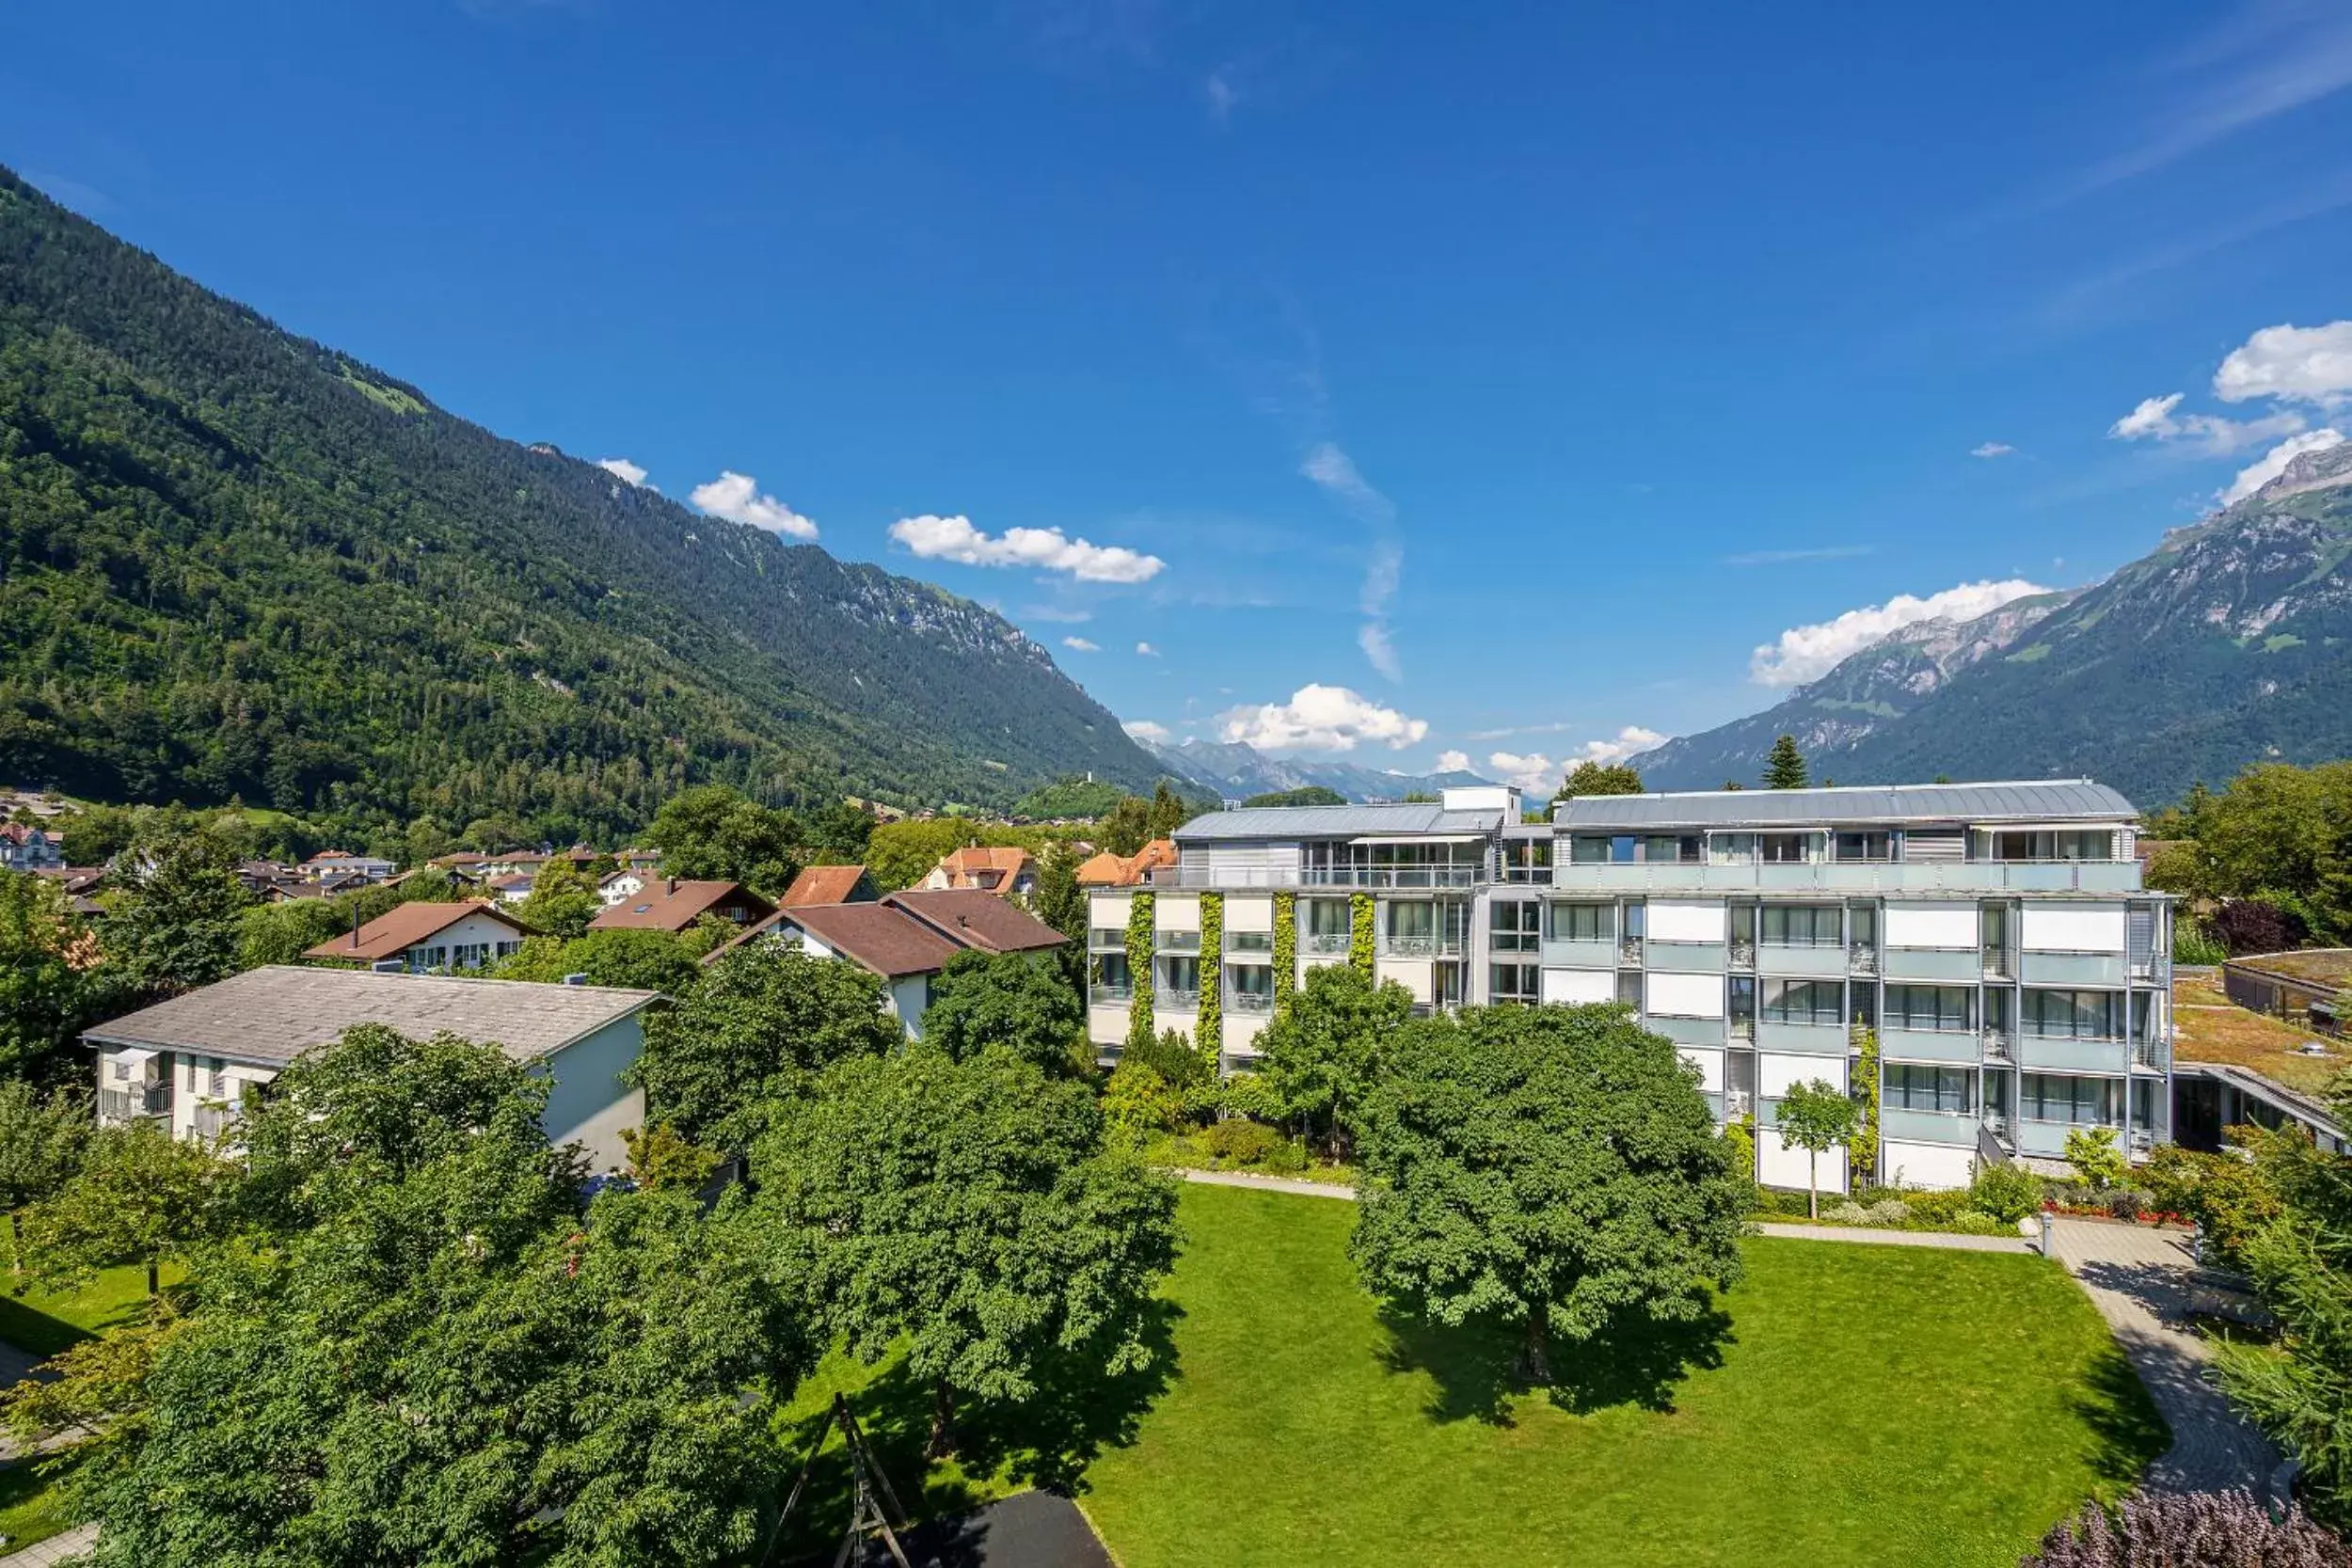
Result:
[[1598, 778], [1551, 1168], [49, 992], [1011, 1000], [712, 833], [1305, 795], [1813, 1116], [1785, 767], [1324, 1050], [2277, 836], [177, 923]]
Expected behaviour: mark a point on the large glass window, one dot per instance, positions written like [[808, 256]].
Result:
[[2068, 844], [1250, 988], [2073, 1014], [1929, 1006], [1803, 925], [1583, 922], [1515, 928], [1412, 921], [1327, 917], [1675, 848], [1179, 981], [1863, 846], [2052, 1097], [1250, 941], [1912, 1088], [1805, 1001], [1588, 849], [1113, 980], [1783, 849], [1515, 982]]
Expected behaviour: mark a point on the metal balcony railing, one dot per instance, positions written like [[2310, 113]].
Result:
[[1110, 995], [1744, 955], [1176, 942], [1525, 874], [1325, 942], [1177, 1000], [1420, 948], [1249, 1002], [1999, 963], [1999, 1047], [1630, 951], [1862, 958], [1392, 876], [153, 1099]]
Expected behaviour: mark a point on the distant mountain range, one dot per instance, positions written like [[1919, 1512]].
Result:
[[1234, 771], [237, 563], [2230, 643]]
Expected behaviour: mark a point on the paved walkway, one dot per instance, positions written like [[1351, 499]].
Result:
[[1264, 1184], [2144, 1284], [1872, 1237], [56, 1550]]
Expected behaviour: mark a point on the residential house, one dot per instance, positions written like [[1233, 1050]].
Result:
[[905, 938], [425, 938], [1108, 870], [830, 884], [510, 888], [985, 868], [189, 1063], [23, 847], [1991, 944], [345, 868], [671, 904]]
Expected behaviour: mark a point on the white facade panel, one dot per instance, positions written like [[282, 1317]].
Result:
[[1779, 1166], [1573, 985], [1176, 912], [1943, 924], [1686, 996], [1412, 973], [1937, 1166], [1711, 1066], [1775, 1073], [1252, 911], [1107, 912], [2071, 927], [1685, 920]]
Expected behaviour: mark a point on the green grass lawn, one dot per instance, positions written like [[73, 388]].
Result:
[[1857, 1405], [31, 1502], [46, 1322]]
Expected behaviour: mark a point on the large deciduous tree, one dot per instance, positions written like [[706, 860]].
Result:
[[1551, 1168], [1325, 1049], [42, 1142], [1598, 778], [1011, 1000], [765, 1021], [177, 925], [715, 833], [972, 1212], [48, 989], [140, 1196], [563, 900]]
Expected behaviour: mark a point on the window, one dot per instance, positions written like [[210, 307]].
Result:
[[1672, 849], [1588, 849], [1928, 1006], [1862, 924], [471, 955], [1114, 981], [1733, 848], [1250, 941], [1327, 917], [1180, 981], [2073, 1014], [1782, 848], [1855, 846], [1413, 922], [2048, 1096], [1515, 928], [1515, 982], [1911, 1088], [1630, 988], [2069, 843], [508, 949], [1583, 922], [1803, 925], [215, 1079], [1250, 988], [1805, 1001]]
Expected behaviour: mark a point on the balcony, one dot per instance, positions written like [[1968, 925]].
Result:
[[1561, 954], [1176, 1002], [2073, 969], [1249, 1002], [1687, 1031], [1862, 958], [1824, 962], [1244, 943], [1928, 1127], [2000, 1046], [1420, 948], [1390, 876], [1319, 943], [213, 1121], [2073, 1053], [129, 1104], [1998, 963], [1629, 952], [2047, 1139], [1744, 955], [1524, 874], [1852, 877], [1687, 957], [1110, 996], [1931, 1045], [1103, 939], [1951, 965], [1814, 1040], [1176, 942]]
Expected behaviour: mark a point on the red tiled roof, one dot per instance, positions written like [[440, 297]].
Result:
[[983, 865], [1109, 870], [823, 884], [397, 930], [672, 906]]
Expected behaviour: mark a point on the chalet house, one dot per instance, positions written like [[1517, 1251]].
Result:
[[905, 938], [424, 938], [189, 1063], [671, 904], [1109, 870], [830, 884], [29, 848], [984, 868]]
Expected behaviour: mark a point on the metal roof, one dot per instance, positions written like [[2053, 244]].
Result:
[[1297, 822], [2025, 800], [271, 1015]]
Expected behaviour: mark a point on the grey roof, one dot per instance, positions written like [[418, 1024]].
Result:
[[2028, 800], [1295, 822], [270, 1016]]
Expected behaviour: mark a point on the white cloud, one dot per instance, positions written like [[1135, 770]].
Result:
[[1630, 741], [2154, 420], [1079, 644], [1321, 718], [1332, 469], [1221, 93], [621, 468], [2274, 462], [1991, 450], [1534, 772], [1145, 729], [1372, 636], [1147, 649], [1452, 762], [739, 499], [1806, 652], [2294, 364], [1044, 549]]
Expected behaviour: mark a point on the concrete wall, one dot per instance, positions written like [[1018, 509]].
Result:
[[589, 1104]]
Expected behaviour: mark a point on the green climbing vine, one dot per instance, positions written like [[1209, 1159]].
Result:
[[1139, 941], [1865, 1153], [1285, 949], [1360, 932], [1208, 1033]]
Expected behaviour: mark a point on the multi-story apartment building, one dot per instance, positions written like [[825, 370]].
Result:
[[1989, 945]]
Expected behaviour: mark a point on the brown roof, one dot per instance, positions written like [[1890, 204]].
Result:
[[984, 866], [971, 918], [823, 884], [879, 937], [672, 906], [398, 929]]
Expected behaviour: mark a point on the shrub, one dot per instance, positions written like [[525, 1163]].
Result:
[[2258, 925], [1137, 1102], [2096, 1159], [2009, 1193], [1286, 1158], [1238, 1142], [1935, 1209], [1248, 1094], [1973, 1222], [2193, 945], [1890, 1210], [1847, 1214], [2227, 1195], [2125, 1204], [2198, 1529]]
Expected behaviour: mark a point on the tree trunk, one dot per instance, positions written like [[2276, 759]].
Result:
[[942, 1442], [154, 1287], [16, 1234], [1536, 1350], [1813, 1184]]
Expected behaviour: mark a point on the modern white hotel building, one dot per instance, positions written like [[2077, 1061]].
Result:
[[1994, 938]]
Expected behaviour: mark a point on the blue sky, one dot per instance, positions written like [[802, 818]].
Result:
[[1495, 381]]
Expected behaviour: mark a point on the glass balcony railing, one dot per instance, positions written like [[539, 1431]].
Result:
[[1324, 941], [1102, 995], [1176, 942], [1392, 876], [1249, 1002], [1177, 1000]]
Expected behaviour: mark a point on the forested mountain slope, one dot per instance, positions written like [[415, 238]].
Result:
[[2230, 643], [235, 562]]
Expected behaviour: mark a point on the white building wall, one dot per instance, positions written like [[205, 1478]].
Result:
[[1776, 1071], [1930, 925], [1777, 1165], [1685, 995], [2071, 927], [1711, 1066], [1937, 1166], [1580, 985], [1249, 911], [476, 927], [1685, 920]]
